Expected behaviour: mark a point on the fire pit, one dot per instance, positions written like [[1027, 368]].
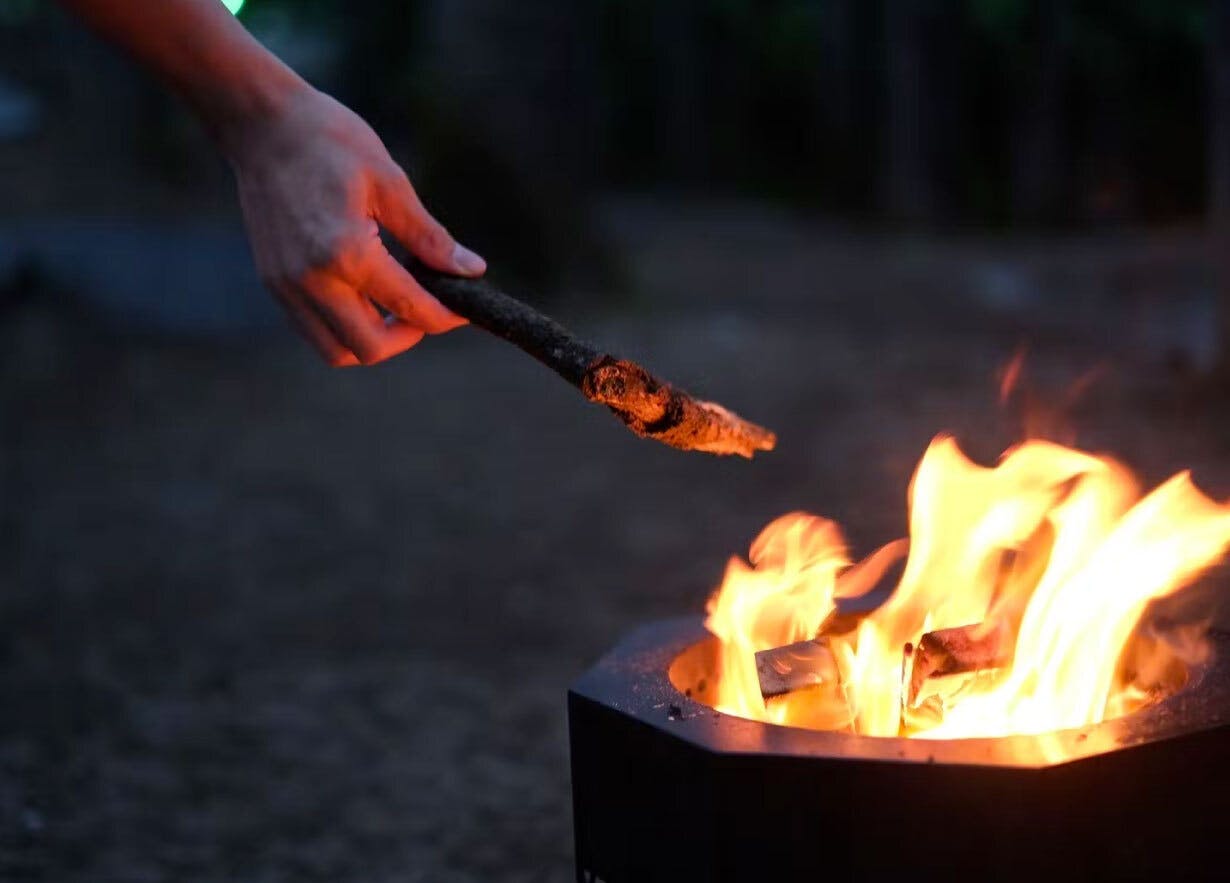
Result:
[[1015, 707], [666, 788]]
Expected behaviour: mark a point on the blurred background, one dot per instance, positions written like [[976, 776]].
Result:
[[261, 620]]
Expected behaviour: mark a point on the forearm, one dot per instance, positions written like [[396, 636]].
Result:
[[202, 52], [316, 185]]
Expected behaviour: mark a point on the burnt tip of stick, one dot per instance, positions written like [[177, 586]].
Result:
[[654, 409]]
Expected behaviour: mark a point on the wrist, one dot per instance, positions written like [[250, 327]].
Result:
[[234, 115]]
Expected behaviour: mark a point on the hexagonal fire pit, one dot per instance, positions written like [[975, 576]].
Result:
[[666, 788]]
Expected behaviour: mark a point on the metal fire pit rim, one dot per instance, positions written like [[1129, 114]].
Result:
[[632, 679]]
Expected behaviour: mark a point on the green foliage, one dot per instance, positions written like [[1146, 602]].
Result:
[[16, 12], [999, 20]]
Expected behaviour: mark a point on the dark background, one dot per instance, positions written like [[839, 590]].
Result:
[[262, 620]]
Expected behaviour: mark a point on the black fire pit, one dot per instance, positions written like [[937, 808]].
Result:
[[666, 788]]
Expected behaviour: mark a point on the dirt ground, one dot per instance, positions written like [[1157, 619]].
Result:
[[265, 621]]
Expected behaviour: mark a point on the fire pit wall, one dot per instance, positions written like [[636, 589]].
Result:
[[666, 788]]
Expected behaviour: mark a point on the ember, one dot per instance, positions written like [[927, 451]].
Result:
[[1017, 611]]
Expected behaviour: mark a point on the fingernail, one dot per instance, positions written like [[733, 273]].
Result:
[[467, 261]]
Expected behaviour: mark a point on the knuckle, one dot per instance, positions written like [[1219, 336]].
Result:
[[405, 308], [343, 254], [319, 253], [434, 239], [395, 178]]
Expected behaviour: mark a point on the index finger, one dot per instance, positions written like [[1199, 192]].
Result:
[[390, 284]]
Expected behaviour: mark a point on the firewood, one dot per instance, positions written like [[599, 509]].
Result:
[[796, 666], [907, 659], [960, 650], [648, 406]]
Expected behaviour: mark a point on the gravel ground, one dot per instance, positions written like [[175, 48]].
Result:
[[266, 621]]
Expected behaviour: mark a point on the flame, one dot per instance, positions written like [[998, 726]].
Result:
[[1010, 375], [1054, 545], [1044, 417], [783, 597]]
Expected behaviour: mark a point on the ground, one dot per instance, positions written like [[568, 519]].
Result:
[[267, 621]]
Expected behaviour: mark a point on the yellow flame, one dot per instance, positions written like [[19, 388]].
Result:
[[783, 597], [1054, 544]]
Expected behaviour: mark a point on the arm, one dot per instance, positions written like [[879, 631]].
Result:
[[315, 182]]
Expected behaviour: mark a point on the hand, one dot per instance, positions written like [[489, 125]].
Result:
[[314, 183]]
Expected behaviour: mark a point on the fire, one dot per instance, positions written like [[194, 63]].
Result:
[[1052, 556]]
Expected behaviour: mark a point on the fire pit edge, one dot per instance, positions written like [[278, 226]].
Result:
[[666, 788]]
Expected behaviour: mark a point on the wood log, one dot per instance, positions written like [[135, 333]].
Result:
[[648, 406], [796, 666], [805, 663], [960, 650]]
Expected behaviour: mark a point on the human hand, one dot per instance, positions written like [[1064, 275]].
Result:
[[315, 186]]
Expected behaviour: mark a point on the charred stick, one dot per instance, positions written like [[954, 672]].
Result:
[[648, 406], [514, 321]]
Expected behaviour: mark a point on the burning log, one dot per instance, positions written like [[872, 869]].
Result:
[[809, 663], [648, 406], [960, 650], [793, 667]]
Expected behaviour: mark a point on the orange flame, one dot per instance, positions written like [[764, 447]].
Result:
[[1054, 543], [783, 597]]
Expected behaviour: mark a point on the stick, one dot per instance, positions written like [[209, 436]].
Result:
[[648, 406]]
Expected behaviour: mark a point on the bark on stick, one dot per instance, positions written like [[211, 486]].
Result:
[[648, 406]]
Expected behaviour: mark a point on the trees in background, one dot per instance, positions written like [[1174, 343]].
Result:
[[1219, 167], [1219, 118], [1038, 172], [923, 111]]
